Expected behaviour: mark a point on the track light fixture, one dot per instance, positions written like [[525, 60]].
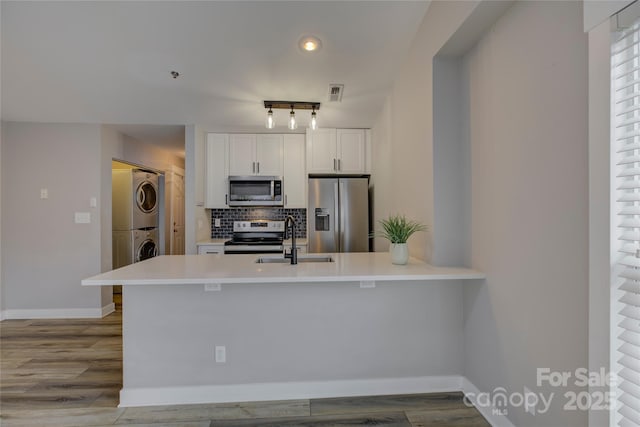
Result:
[[292, 105], [314, 120], [270, 124], [292, 119]]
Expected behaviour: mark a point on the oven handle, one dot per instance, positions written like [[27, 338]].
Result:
[[236, 252]]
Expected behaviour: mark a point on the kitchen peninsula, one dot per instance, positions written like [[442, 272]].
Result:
[[224, 328]]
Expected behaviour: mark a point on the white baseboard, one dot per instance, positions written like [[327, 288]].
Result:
[[286, 391], [491, 414], [58, 313], [108, 309]]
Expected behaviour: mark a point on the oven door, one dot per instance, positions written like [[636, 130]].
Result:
[[253, 249], [255, 191]]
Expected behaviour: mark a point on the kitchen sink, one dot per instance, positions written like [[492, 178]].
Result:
[[301, 259]]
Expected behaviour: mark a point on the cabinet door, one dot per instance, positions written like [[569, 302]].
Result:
[[351, 151], [294, 177], [269, 155], [210, 249], [216, 151], [242, 156], [321, 151]]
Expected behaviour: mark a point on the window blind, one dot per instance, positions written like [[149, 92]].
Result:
[[626, 216]]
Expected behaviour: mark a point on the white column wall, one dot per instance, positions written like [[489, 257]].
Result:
[[528, 93]]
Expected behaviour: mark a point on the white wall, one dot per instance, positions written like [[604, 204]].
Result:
[[528, 131], [403, 134], [45, 254]]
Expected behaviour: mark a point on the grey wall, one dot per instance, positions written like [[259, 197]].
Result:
[[291, 332], [44, 253], [599, 207], [451, 166], [528, 131], [524, 88]]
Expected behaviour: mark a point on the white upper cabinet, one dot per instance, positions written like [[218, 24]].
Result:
[[321, 151], [269, 152], [295, 176], [216, 171], [351, 151], [336, 151], [242, 154], [251, 154]]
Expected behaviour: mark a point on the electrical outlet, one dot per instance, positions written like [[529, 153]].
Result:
[[216, 222], [44, 193], [221, 354]]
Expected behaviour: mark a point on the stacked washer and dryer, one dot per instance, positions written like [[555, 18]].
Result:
[[135, 216]]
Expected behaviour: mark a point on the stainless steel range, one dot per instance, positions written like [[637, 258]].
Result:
[[256, 237]]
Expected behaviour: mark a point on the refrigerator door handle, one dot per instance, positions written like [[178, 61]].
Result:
[[343, 216], [336, 215]]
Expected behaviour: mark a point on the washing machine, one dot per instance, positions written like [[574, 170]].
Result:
[[135, 199], [131, 246]]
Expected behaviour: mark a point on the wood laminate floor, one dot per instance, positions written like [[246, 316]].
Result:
[[69, 373]]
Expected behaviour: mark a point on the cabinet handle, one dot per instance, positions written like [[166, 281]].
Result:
[[339, 165], [334, 165], [285, 200], [226, 199], [253, 167], [258, 164]]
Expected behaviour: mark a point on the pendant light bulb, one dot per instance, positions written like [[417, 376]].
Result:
[[292, 119], [270, 123], [314, 120]]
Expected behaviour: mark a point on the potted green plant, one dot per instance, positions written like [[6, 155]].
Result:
[[397, 229]]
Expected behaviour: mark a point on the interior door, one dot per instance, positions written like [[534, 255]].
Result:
[[177, 215]]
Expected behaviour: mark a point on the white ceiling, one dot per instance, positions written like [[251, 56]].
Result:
[[110, 62]]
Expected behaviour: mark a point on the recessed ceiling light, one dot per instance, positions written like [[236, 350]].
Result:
[[310, 43]]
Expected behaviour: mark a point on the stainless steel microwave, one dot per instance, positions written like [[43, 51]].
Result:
[[255, 191]]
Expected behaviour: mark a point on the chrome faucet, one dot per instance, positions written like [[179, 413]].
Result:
[[290, 222]]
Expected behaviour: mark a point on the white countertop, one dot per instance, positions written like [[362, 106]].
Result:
[[226, 269]]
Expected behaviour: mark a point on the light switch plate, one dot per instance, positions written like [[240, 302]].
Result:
[[82, 217], [93, 202]]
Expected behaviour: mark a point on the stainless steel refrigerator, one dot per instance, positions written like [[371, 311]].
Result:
[[338, 214]]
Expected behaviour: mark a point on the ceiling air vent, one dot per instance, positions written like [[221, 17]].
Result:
[[335, 93]]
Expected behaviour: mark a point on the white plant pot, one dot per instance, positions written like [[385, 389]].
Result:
[[399, 253]]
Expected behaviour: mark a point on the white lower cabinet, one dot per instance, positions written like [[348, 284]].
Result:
[[210, 249]]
